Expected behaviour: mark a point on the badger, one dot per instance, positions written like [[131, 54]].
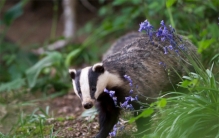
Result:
[[137, 56]]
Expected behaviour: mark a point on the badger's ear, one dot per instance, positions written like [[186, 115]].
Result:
[[72, 73], [98, 67]]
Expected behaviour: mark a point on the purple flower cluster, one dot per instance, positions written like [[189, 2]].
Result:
[[128, 78], [146, 26], [112, 95], [164, 33], [126, 104], [116, 127]]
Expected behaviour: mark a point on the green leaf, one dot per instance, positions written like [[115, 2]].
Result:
[[33, 72], [147, 112], [103, 11], [13, 13], [12, 85], [72, 55], [204, 44], [185, 84], [169, 3], [119, 2], [162, 103]]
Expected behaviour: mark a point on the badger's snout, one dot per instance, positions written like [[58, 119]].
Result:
[[88, 105]]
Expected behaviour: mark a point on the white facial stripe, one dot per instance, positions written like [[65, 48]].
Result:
[[107, 80], [73, 82], [75, 90], [84, 83]]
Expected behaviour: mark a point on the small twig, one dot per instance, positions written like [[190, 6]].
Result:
[[54, 46]]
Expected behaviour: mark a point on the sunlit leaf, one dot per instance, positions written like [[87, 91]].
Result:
[[146, 113], [169, 3], [204, 44], [33, 72], [162, 102]]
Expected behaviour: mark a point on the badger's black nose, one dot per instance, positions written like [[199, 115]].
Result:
[[88, 105]]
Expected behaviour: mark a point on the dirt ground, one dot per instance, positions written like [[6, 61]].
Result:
[[69, 106]]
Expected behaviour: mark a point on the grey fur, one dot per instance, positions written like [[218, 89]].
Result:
[[135, 55], [120, 43]]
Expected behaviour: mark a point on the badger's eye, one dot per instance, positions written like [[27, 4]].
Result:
[[93, 88]]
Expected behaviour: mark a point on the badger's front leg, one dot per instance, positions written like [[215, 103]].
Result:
[[108, 115]]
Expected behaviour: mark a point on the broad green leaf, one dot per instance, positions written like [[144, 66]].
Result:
[[185, 84], [147, 112], [13, 13], [169, 3], [204, 44], [33, 72], [13, 85]]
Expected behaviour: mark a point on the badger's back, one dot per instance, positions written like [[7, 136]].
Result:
[[145, 62], [121, 43]]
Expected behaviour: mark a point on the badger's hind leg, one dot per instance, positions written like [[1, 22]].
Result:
[[108, 115]]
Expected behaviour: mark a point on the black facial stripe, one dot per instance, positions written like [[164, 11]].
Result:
[[93, 78], [77, 83]]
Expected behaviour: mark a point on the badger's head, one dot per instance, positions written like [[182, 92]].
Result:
[[90, 82]]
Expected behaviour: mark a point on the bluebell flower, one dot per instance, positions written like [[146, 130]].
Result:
[[165, 50], [182, 47], [136, 97], [127, 98], [159, 32], [129, 79], [111, 93], [131, 91], [130, 84], [129, 106], [112, 134], [124, 105], [105, 90], [170, 47], [147, 27], [165, 33], [173, 43], [117, 127], [132, 99]]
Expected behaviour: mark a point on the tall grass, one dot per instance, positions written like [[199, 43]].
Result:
[[194, 114]]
